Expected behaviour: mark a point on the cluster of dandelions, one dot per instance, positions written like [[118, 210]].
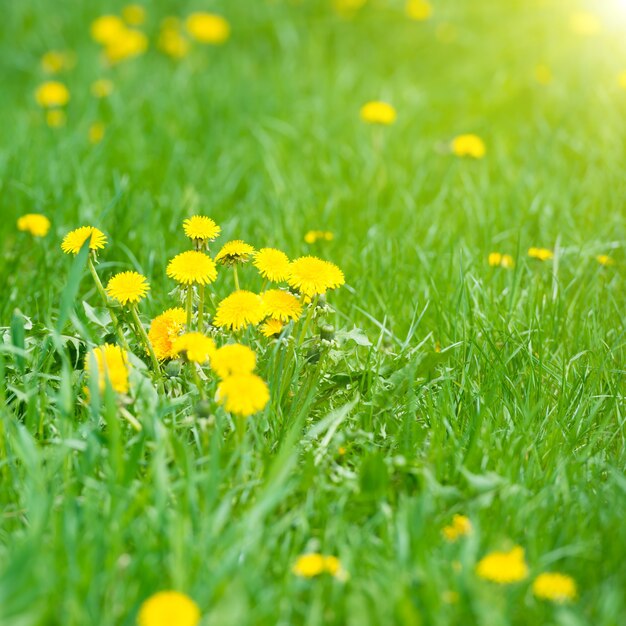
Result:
[[201, 333], [508, 567]]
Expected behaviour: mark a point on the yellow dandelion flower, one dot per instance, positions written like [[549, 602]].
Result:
[[52, 94], [238, 310], [208, 28], [101, 88], [605, 259], [164, 330], [377, 112], [543, 74], [621, 80], [460, 527], [201, 228], [233, 358], [55, 118], [314, 564], [555, 587], [312, 236], [54, 61], [195, 346], [497, 259], [128, 287], [243, 394], [585, 24], [106, 28], [419, 10], [74, 240], [469, 145], [236, 251], [281, 305], [96, 132], [503, 567], [271, 328], [169, 608], [272, 264], [312, 276], [34, 223], [541, 254], [112, 364], [134, 14], [192, 267], [126, 44]]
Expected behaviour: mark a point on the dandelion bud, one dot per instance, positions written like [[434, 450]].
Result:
[[327, 332], [313, 355], [203, 409], [172, 369]]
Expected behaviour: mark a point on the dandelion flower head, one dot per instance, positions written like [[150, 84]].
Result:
[[377, 112], [312, 276], [208, 28], [238, 310], [314, 564], [164, 330], [74, 240], [541, 254], [52, 94], [111, 364], [243, 394], [281, 305], [169, 608], [503, 567], [195, 346], [555, 587], [236, 251], [201, 228], [419, 10], [469, 145], [107, 28], [272, 264], [192, 267], [460, 527], [497, 259], [128, 287], [233, 358], [271, 328]]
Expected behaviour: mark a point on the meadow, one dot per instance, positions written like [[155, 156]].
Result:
[[414, 417]]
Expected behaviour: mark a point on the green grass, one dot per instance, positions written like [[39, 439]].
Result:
[[518, 422]]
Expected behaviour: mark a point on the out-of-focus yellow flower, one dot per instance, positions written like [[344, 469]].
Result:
[[272, 264], [543, 74], [169, 608], [497, 259], [128, 287], [314, 564], [106, 28], [54, 61], [271, 328], [197, 347], [208, 28], [128, 43], [238, 310], [377, 112], [56, 118], [503, 567], [111, 364], [585, 23], [171, 40], [621, 80], [134, 14], [96, 132], [541, 254], [419, 10], [34, 223], [243, 394], [52, 94], [74, 240], [233, 358], [555, 587], [102, 88], [164, 330], [469, 145], [313, 236], [459, 527], [605, 259], [236, 251]]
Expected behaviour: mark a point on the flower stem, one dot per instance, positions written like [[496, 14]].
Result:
[[201, 310], [146, 341], [236, 277], [103, 295], [189, 306], [307, 321]]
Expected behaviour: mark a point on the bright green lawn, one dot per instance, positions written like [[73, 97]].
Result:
[[518, 422]]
